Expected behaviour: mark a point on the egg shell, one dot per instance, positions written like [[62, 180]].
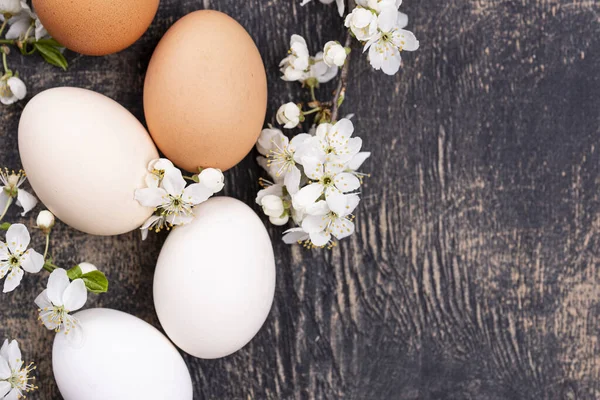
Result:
[[215, 279], [84, 156], [205, 93], [120, 357], [96, 27]]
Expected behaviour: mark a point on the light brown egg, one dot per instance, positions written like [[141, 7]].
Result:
[[96, 27], [205, 94]]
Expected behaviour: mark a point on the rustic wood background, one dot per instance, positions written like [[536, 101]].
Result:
[[474, 272]]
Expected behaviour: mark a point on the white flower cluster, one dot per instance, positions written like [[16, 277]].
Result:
[[15, 381], [300, 66], [167, 193], [23, 27], [380, 26], [341, 4], [315, 181]]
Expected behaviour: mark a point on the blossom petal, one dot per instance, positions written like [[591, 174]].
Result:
[[410, 41], [276, 190], [307, 195], [358, 160], [4, 254], [342, 227], [346, 182], [13, 279], [4, 374], [151, 197], [17, 238], [315, 223], [402, 20], [17, 87], [25, 200], [32, 261], [17, 28], [320, 239], [196, 193], [42, 301], [57, 284], [13, 395], [4, 386], [294, 235], [313, 167], [318, 208], [337, 202], [173, 182], [75, 296], [292, 180], [14, 355], [4, 197]]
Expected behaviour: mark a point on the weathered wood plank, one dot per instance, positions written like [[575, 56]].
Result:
[[474, 272]]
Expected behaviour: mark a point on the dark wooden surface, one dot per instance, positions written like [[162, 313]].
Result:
[[474, 272]]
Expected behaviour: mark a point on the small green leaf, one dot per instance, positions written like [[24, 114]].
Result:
[[52, 55], [95, 281], [74, 273], [50, 42], [341, 99], [4, 226]]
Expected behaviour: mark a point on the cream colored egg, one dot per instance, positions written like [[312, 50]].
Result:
[[85, 155], [215, 279], [119, 357]]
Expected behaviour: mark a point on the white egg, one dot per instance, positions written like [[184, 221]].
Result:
[[215, 279], [85, 155], [120, 357]]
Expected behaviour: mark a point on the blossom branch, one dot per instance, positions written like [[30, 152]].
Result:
[[340, 91]]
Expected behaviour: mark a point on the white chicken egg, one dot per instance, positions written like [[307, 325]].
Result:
[[119, 357], [215, 279], [85, 155]]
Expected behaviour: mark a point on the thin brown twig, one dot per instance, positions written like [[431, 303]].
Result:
[[341, 87]]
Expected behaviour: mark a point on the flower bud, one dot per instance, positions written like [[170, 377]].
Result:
[[10, 7], [45, 221], [279, 221], [272, 206], [212, 178], [87, 267], [288, 115], [334, 54]]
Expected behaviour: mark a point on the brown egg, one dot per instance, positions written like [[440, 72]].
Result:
[[205, 95], [96, 27]]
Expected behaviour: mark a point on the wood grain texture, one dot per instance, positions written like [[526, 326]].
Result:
[[475, 269]]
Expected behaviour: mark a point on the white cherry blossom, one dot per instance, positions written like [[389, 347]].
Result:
[[385, 47], [12, 89], [334, 54], [21, 22], [212, 178], [45, 221], [334, 143], [155, 223], [157, 169], [15, 381], [328, 178], [332, 220], [12, 182], [362, 22], [341, 4], [320, 71], [15, 257], [295, 65], [173, 199], [283, 156], [288, 115], [10, 7], [58, 300]]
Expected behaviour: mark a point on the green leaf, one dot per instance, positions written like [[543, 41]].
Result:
[[74, 273], [50, 42], [341, 99], [95, 281], [4, 226], [52, 55]]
